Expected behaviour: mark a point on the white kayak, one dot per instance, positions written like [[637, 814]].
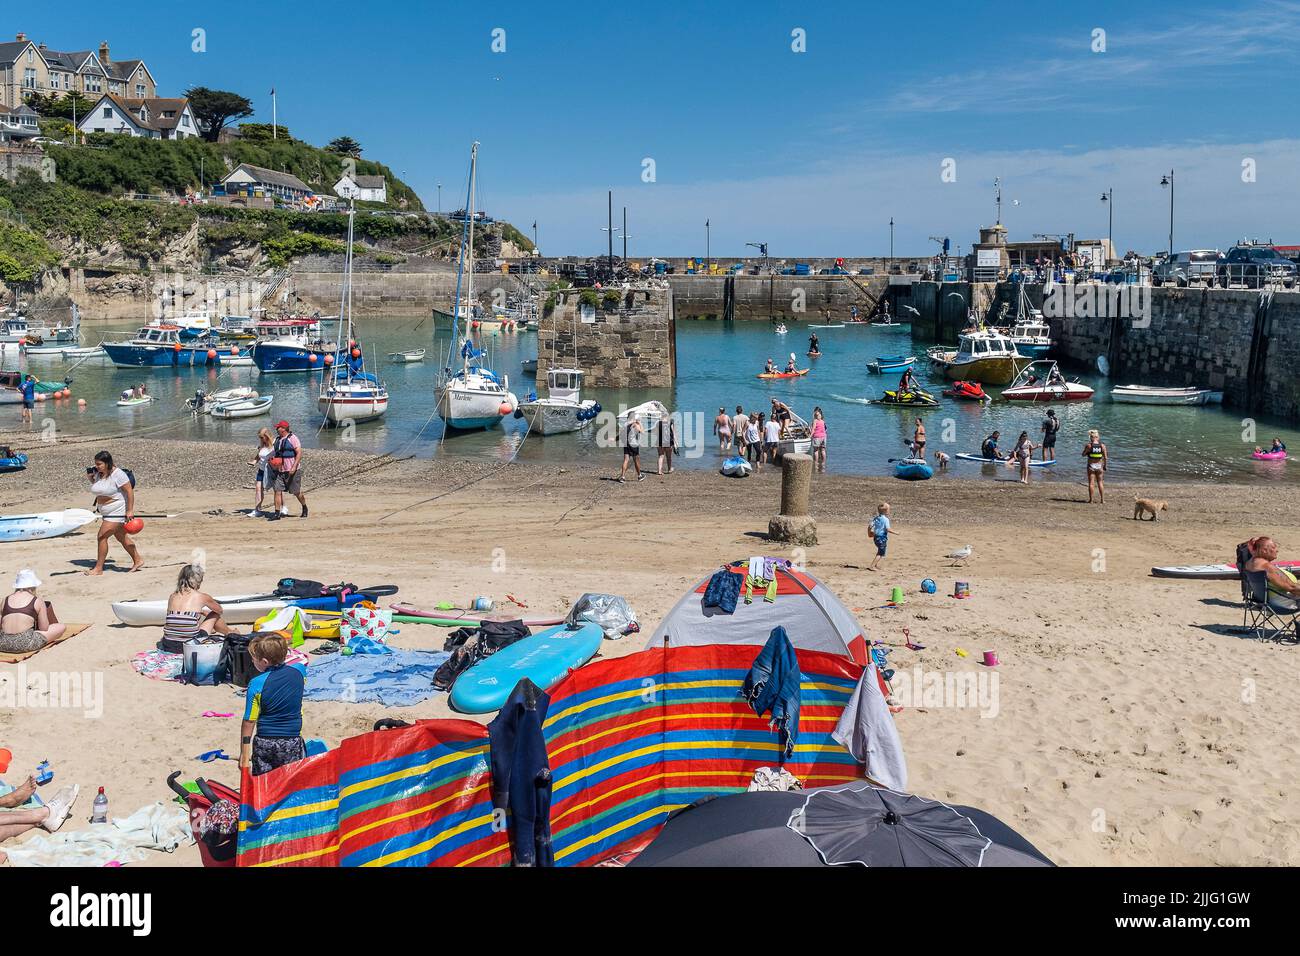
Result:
[[237, 609], [1210, 572], [49, 524]]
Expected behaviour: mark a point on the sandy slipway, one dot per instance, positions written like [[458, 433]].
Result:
[[1117, 730]]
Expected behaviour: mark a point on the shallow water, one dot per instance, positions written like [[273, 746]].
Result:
[[717, 364]]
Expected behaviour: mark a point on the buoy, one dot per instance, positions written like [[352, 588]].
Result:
[[134, 526], [212, 353], [352, 343], [234, 350], [81, 403], [40, 396], [67, 392], [505, 408], [176, 346], [329, 360], [311, 358], [474, 324], [356, 353]]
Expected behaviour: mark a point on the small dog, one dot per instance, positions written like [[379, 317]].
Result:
[[1149, 506], [942, 459]]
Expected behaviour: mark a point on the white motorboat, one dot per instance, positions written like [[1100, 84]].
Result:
[[797, 439], [1152, 395], [473, 396], [203, 402], [563, 409], [651, 415], [1042, 381], [982, 355]]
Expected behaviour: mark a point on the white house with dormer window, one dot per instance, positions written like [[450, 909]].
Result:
[[363, 188], [156, 118]]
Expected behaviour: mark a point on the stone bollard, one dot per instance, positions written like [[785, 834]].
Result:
[[794, 524]]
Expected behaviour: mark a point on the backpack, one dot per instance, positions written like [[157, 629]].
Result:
[[298, 588], [130, 475]]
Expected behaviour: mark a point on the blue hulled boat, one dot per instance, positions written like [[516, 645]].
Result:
[[291, 345], [160, 346]]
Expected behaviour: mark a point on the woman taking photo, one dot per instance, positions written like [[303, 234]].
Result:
[[26, 622], [115, 502], [262, 479]]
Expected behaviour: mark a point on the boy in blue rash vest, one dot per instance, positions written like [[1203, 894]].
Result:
[[273, 708]]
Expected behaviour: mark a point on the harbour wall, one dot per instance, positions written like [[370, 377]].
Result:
[[630, 343], [787, 298], [1242, 342]]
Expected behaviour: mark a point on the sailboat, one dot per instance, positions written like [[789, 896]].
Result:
[[473, 396], [348, 392]]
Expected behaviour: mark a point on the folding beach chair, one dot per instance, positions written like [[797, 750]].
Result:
[[1262, 618]]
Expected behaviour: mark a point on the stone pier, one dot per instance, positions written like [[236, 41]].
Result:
[[621, 338]]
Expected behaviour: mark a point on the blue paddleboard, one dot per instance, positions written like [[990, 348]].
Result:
[[544, 658]]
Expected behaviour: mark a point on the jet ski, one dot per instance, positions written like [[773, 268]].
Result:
[[972, 391], [913, 399]]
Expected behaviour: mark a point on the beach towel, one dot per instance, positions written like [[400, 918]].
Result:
[[867, 731], [364, 622], [158, 665], [292, 620], [158, 826], [772, 685], [399, 679], [72, 630]]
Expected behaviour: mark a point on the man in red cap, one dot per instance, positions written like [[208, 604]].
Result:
[[286, 464]]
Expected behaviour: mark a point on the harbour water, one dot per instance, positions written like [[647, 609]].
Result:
[[717, 365]]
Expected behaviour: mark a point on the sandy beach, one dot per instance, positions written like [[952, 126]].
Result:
[[1133, 725]]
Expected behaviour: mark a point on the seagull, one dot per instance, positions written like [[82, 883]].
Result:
[[962, 555], [912, 310]]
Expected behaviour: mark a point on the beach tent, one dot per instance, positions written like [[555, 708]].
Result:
[[813, 617]]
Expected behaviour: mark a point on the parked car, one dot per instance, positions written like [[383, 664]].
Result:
[[1255, 266], [1187, 268]]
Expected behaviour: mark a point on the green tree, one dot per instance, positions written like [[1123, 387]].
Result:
[[262, 133], [215, 108], [345, 146], [62, 107]]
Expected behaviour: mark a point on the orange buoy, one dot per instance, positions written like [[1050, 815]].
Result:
[[234, 350], [212, 353], [176, 346], [81, 403], [505, 408], [311, 358], [356, 353], [134, 526], [329, 360]]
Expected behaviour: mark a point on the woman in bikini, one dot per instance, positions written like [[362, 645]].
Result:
[[192, 613], [115, 502], [26, 621], [1095, 454]]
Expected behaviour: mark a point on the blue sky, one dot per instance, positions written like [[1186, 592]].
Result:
[[811, 151]]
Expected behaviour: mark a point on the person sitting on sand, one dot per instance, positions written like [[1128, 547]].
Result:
[[1283, 588], [191, 612], [26, 622], [273, 708], [18, 814], [990, 448]]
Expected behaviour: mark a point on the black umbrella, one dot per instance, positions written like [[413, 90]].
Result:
[[856, 824]]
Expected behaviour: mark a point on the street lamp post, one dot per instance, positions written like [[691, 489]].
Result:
[[439, 199], [708, 246], [1108, 197], [1169, 181], [891, 245]]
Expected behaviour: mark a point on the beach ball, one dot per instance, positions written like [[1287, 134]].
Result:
[[212, 353], [356, 353], [505, 408], [311, 358], [134, 526], [329, 360]]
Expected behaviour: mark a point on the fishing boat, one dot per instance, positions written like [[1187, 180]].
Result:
[[11, 387], [71, 352], [203, 402], [890, 363], [563, 409], [529, 366], [982, 355], [290, 345], [473, 396], [1032, 337], [243, 408], [348, 392], [160, 346], [1150, 395], [45, 335], [408, 357], [1042, 381]]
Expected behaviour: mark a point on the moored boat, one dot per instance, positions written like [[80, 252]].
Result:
[[160, 346], [981, 355], [407, 357], [1152, 395], [563, 409], [243, 407], [890, 363]]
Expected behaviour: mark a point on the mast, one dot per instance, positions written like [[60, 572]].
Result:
[[469, 251], [460, 271]]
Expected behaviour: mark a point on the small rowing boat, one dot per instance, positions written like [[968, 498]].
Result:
[[133, 402], [1152, 395], [243, 408], [407, 357], [890, 363]]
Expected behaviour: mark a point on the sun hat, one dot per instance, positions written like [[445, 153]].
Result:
[[26, 579], [282, 424]]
